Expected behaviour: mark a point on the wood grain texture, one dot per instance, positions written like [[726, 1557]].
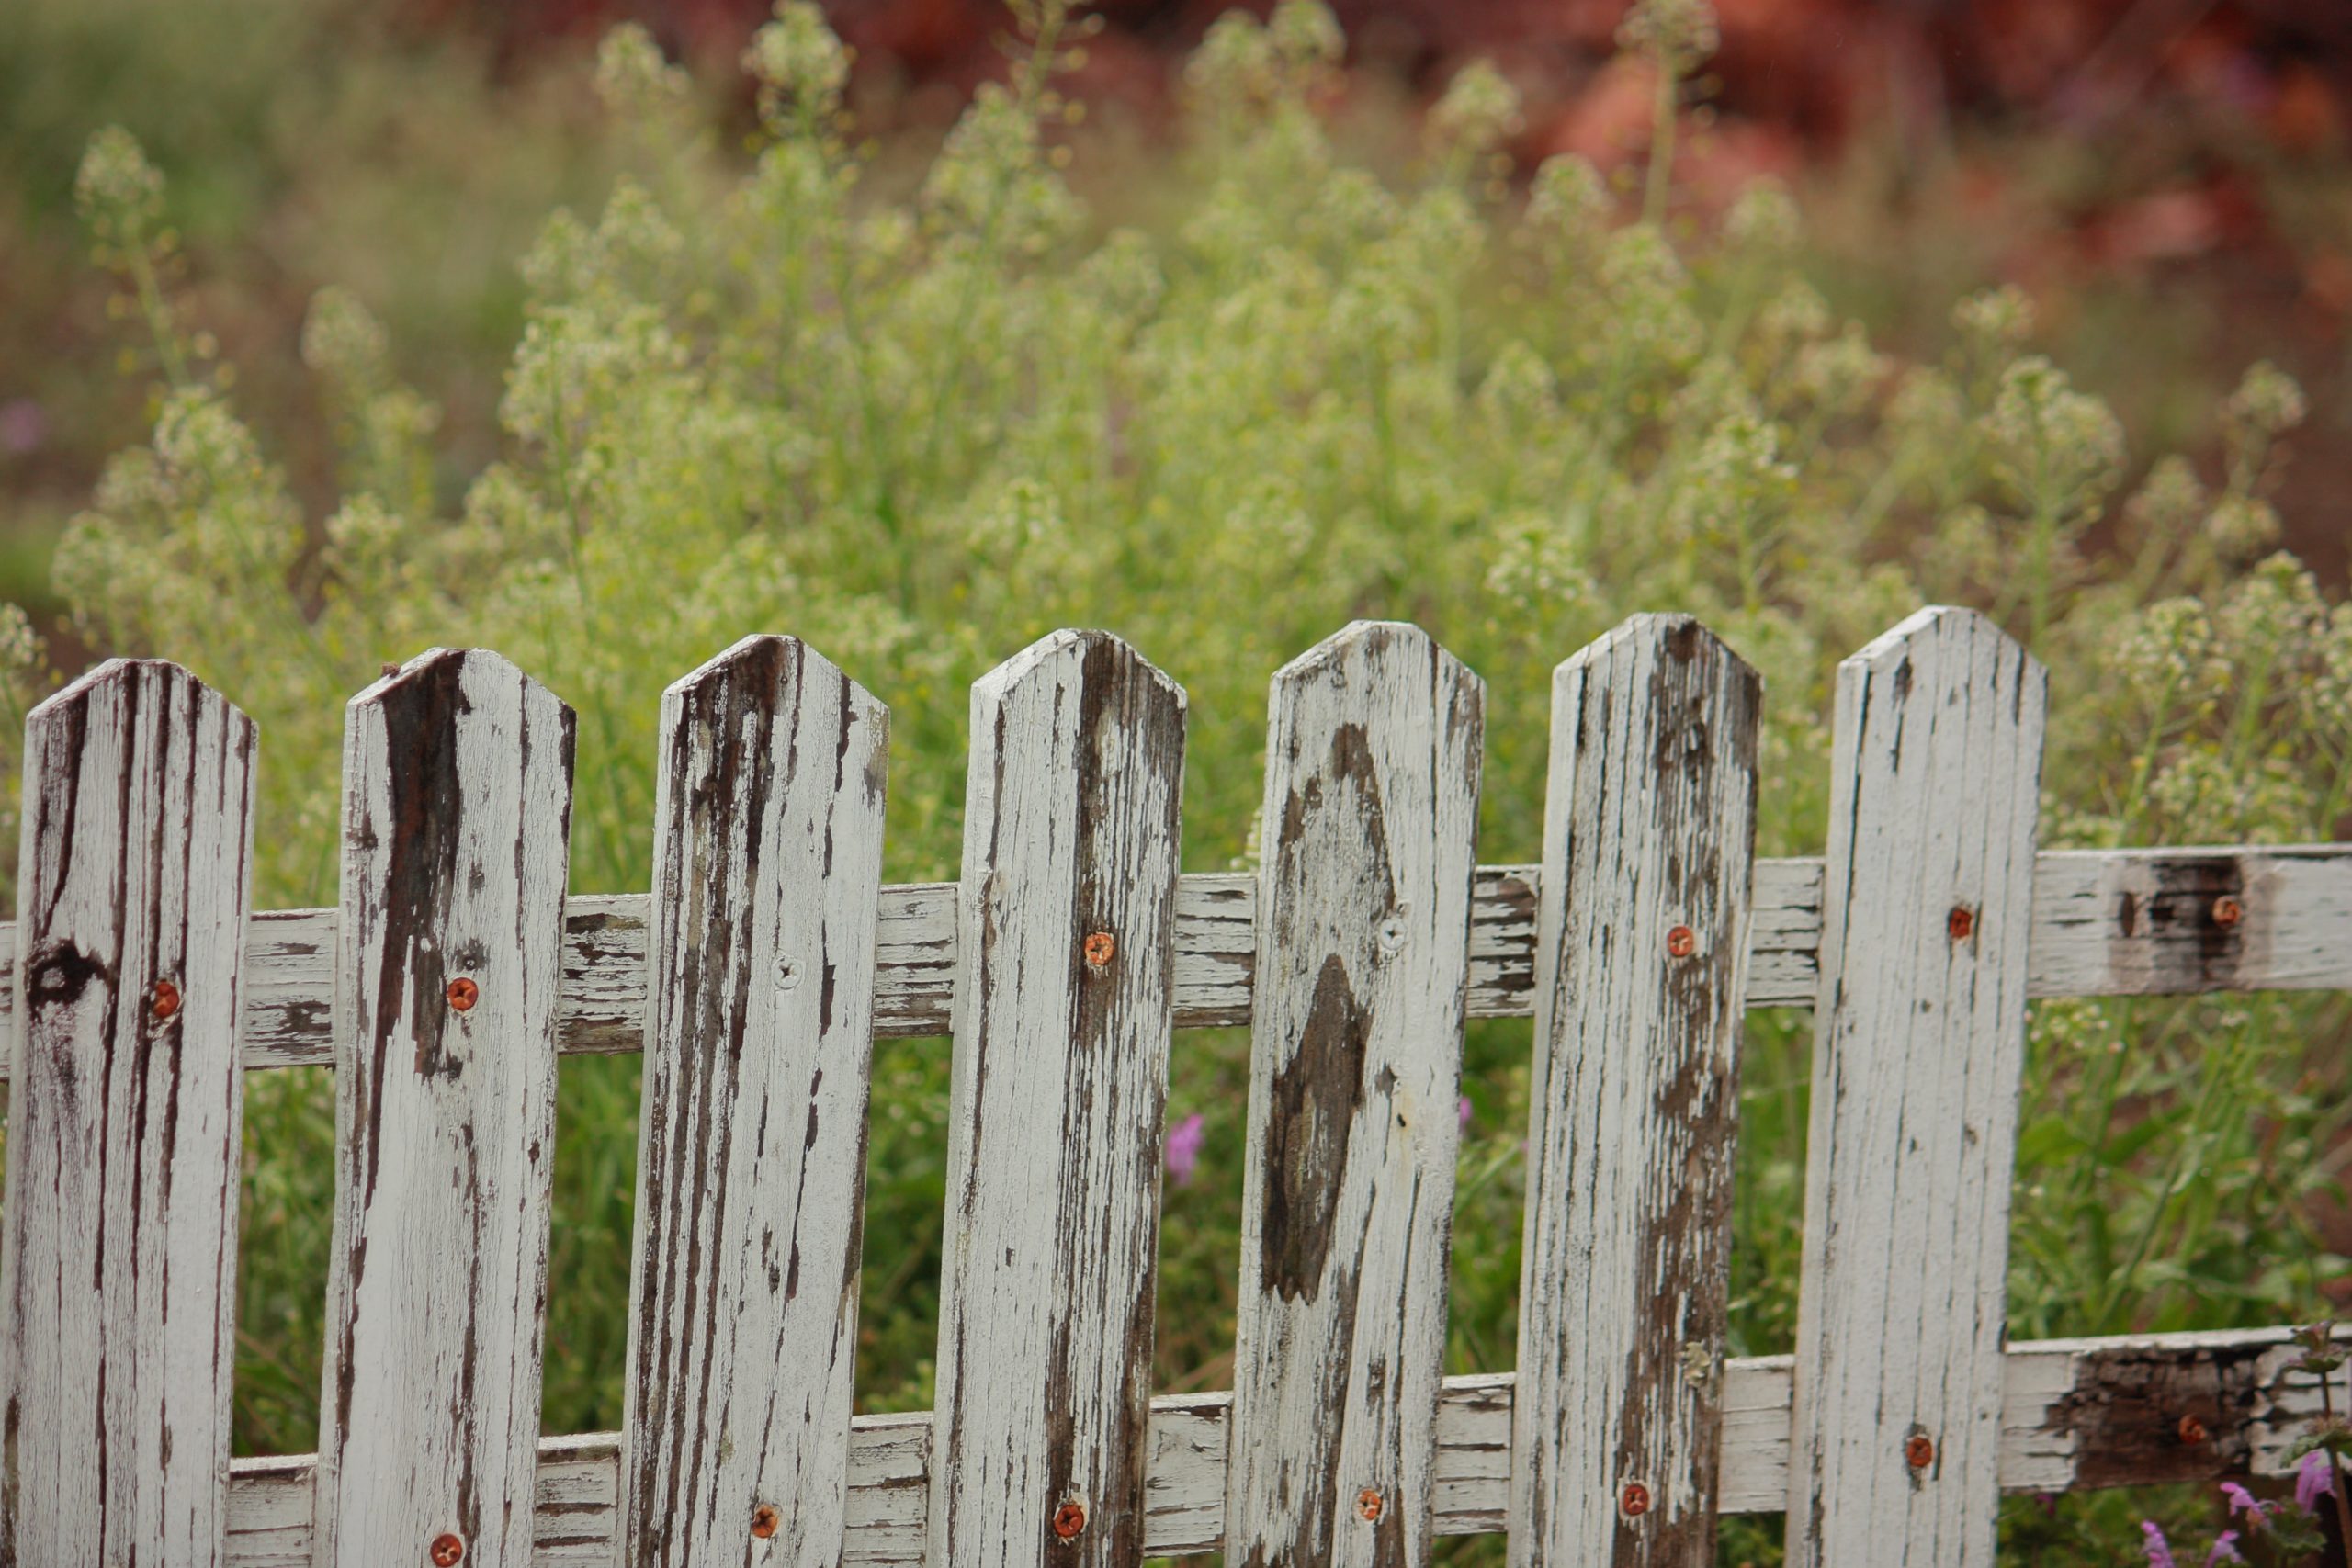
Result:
[[455, 843], [1919, 1044], [118, 1265], [2106, 922], [767, 862], [1624, 1277], [1373, 747], [1059, 1088], [2065, 1405]]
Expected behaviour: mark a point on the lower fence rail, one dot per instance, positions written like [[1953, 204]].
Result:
[[2076, 1415]]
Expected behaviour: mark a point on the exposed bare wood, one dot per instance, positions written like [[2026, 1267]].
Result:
[[1374, 746], [117, 1274], [456, 834]]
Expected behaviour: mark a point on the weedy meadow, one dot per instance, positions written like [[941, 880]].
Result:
[[920, 429]]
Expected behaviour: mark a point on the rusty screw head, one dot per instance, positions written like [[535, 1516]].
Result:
[[1680, 941], [2227, 911], [463, 994], [164, 1001], [1069, 1518], [1635, 1500], [447, 1549], [764, 1521], [1960, 923], [1100, 946], [2192, 1430], [1369, 1503], [1919, 1450]]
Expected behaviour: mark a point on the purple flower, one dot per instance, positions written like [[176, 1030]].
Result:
[[1184, 1141], [1466, 1113], [2241, 1500], [2314, 1480], [2226, 1550], [2159, 1549]]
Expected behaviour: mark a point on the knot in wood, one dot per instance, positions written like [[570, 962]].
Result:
[[164, 1001], [1100, 946], [2192, 1430], [1369, 1503], [1635, 1500], [1070, 1518], [764, 1521], [1960, 923], [2227, 911], [1681, 942], [463, 993], [446, 1550], [1919, 1450]]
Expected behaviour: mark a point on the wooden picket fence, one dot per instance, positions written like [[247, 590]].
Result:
[[769, 954]]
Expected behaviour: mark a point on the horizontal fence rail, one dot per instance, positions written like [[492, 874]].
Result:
[[2135, 922], [137, 988]]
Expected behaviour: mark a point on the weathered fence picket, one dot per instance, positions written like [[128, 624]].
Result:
[[1920, 1042], [767, 958], [457, 818], [1372, 754], [118, 1318], [1060, 1083], [751, 1144], [1649, 838]]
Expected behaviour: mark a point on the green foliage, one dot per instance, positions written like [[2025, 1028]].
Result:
[[922, 431]]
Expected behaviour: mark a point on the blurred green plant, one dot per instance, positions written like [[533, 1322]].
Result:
[[921, 430]]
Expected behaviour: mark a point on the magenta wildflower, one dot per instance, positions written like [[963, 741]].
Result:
[[2226, 1550], [1466, 1113], [2241, 1500], [2159, 1550], [1184, 1141], [2315, 1479]]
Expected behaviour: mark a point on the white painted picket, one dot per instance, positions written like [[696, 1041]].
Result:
[[769, 956], [1649, 839], [1373, 753]]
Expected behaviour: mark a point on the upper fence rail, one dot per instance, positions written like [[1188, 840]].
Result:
[[2128, 922]]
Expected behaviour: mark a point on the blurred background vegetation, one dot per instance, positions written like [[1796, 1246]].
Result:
[[381, 325]]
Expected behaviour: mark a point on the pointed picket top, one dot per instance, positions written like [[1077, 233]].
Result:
[[118, 1265], [1649, 839], [768, 870], [455, 851], [1066, 916], [1919, 1044], [1374, 754]]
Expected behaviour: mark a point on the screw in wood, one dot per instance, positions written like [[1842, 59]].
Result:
[[2227, 911], [1919, 1450], [1369, 1503], [2192, 1430], [764, 1520], [1681, 942], [463, 993], [164, 1001], [1635, 1500], [1960, 923], [1100, 946], [1069, 1518], [446, 1550]]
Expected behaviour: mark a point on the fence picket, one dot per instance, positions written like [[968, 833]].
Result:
[[1649, 842], [455, 838], [1063, 1013], [120, 1264], [1919, 1043], [1373, 750], [767, 866]]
